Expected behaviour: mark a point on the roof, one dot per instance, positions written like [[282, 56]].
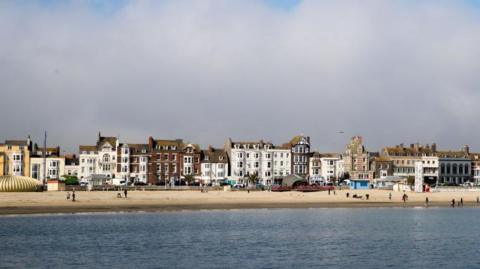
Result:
[[214, 156], [110, 139], [452, 154], [413, 150], [87, 148], [16, 142], [382, 159], [295, 140], [291, 180], [137, 148]]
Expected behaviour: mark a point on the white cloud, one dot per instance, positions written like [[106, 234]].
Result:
[[392, 71]]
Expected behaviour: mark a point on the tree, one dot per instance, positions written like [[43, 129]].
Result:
[[71, 180], [190, 179], [253, 178], [411, 180]]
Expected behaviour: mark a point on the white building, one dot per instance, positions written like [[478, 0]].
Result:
[[72, 167], [261, 158], [100, 159], [214, 166], [332, 167], [55, 164]]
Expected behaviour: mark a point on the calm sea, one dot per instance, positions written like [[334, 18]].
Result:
[[278, 238]]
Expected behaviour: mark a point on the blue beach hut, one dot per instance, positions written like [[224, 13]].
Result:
[[359, 184]]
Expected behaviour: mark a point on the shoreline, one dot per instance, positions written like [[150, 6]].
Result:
[[40, 210], [142, 201]]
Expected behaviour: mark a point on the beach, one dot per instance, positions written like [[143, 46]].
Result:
[[107, 201]]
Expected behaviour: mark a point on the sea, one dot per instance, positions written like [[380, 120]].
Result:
[[249, 238]]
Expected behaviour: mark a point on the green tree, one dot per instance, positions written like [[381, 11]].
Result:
[[190, 179], [71, 180]]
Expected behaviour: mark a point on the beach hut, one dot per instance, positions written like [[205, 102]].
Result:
[[359, 184], [388, 182]]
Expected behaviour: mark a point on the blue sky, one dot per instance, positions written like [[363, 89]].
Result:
[[110, 6]]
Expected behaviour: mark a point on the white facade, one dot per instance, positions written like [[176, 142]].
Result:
[[72, 170], [88, 164], [331, 168], [476, 173], [212, 172], [100, 159], [55, 167], [282, 162], [247, 158]]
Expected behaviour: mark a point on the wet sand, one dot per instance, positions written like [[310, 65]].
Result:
[[149, 201]]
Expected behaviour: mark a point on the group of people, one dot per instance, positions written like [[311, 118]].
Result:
[[367, 196], [73, 195]]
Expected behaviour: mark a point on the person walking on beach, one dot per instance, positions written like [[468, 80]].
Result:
[[328, 191], [426, 201], [453, 203], [461, 202], [73, 196], [478, 200], [390, 196], [125, 193], [68, 195], [367, 196], [347, 194]]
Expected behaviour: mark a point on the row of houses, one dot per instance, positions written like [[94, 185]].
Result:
[[160, 161], [401, 161]]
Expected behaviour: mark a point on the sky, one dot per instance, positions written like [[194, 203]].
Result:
[[391, 71]]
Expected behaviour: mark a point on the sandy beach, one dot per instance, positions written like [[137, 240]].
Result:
[[56, 202]]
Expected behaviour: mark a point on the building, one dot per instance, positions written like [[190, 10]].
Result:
[[54, 163], [315, 168], [164, 161], [455, 167], [15, 157], [404, 158], [357, 160], [139, 156], [258, 157], [99, 159], [300, 149], [281, 163], [214, 165], [190, 161], [382, 167], [332, 167], [72, 165]]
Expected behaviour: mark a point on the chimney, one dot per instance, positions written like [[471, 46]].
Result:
[[434, 147], [466, 149], [150, 142]]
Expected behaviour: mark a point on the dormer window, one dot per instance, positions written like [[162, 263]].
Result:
[[206, 158], [220, 158]]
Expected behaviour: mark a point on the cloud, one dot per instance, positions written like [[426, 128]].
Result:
[[392, 71]]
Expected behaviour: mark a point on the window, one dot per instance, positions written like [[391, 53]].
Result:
[[269, 164], [256, 164], [106, 158]]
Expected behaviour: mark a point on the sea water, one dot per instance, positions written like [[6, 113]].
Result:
[[263, 238]]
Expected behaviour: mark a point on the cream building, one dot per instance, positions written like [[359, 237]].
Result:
[[15, 157]]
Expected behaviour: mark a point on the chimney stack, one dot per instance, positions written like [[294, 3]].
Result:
[[466, 149]]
